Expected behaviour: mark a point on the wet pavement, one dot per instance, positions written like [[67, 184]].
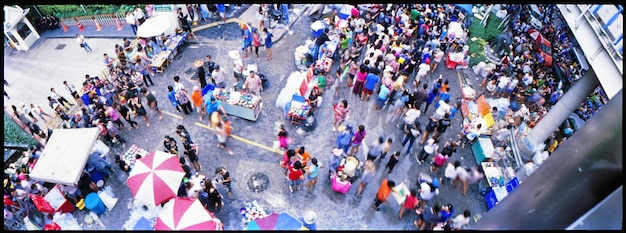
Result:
[[45, 67]]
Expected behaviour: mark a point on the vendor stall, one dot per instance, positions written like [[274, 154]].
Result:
[[239, 103], [65, 155], [57, 200], [255, 218], [131, 155], [297, 109]]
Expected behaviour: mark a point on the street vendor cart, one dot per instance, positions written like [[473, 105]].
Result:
[[297, 109], [239, 103]]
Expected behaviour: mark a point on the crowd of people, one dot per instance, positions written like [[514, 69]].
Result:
[[402, 45], [47, 23]]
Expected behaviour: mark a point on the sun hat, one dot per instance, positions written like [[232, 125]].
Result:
[[310, 217], [234, 54], [198, 63]]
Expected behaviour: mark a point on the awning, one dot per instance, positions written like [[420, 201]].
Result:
[[65, 155]]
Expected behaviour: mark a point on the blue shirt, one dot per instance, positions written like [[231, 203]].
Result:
[[172, 97], [370, 81], [268, 40], [212, 107], [384, 92]]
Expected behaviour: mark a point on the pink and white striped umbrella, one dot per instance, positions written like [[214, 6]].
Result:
[[155, 178], [186, 214]]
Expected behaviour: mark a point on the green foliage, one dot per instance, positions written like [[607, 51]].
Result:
[[15, 134], [483, 36], [68, 11]]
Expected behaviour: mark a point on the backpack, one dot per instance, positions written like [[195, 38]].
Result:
[[182, 97]]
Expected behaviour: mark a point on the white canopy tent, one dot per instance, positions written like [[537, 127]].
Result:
[[162, 23], [65, 155]]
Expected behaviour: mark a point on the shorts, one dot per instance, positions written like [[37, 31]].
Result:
[[367, 92], [295, 182], [193, 158], [371, 157], [223, 144]]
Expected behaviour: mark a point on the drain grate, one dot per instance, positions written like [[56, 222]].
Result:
[[258, 182], [60, 46], [190, 71]]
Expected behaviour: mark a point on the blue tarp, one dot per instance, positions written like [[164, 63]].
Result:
[[466, 7]]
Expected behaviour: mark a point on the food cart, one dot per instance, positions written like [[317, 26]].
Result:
[[297, 109], [239, 103]]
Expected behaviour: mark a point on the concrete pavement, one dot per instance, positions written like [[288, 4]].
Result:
[[33, 73]]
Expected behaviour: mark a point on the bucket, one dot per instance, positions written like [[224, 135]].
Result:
[[93, 203]]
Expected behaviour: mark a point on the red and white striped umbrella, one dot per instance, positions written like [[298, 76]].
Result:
[[155, 178], [186, 214]]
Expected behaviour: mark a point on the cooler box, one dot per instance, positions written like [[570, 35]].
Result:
[[207, 89], [318, 28], [93, 203]]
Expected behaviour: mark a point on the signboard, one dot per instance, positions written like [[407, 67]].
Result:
[[163, 8]]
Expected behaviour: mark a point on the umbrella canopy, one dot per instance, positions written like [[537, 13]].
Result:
[[536, 35], [186, 214], [155, 178], [276, 221]]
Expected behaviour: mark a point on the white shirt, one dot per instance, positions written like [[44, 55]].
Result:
[[178, 87], [130, 19], [138, 13], [442, 109], [218, 75], [450, 171], [411, 115], [426, 193], [431, 146], [462, 173], [459, 221], [502, 82]]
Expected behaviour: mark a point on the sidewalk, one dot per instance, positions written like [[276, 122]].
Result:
[[243, 15]]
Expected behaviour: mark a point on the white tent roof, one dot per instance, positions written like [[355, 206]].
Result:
[[65, 155]]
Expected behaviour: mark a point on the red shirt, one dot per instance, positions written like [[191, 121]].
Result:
[[295, 174]]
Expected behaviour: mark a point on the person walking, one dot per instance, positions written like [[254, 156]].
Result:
[[171, 95], [140, 110], [82, 41], [132, 21], [152, 102], [183, 100], [256, 42], [295, 176], [247, 39], [411, 202], [196, 98], [125, 113], [411, 132], [214, 196], [393, 160], [357, 140], [71, 89], [144, 69], [223, 177], [60, 98], [312, 171], [36, 109], [344, 138], [442, 126], [341, 113], [268, 43], [191, 150], [220, 133], [431, 147], [386, 187], [369, 170]]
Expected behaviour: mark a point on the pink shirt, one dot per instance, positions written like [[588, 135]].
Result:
[[361, 76], [440, 159]]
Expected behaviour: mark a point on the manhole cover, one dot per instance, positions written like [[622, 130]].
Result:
[[258, 182], [60, 46]]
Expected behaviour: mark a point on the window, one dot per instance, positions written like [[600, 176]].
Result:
[[23, 30]]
